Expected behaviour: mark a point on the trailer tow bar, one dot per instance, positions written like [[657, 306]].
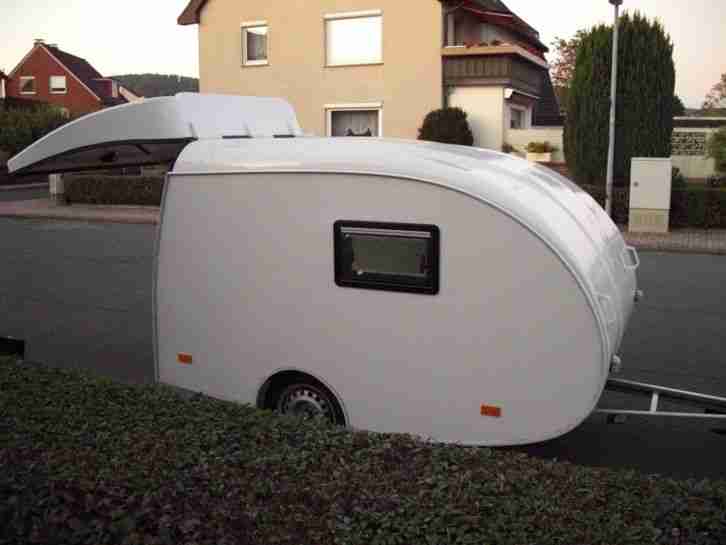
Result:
[[714, 407]]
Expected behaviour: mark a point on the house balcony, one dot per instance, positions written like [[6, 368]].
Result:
[[504, 65]]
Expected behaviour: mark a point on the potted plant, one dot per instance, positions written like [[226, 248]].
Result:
[[540, 152]]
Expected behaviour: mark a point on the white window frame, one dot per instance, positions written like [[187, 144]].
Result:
[[244, 27], [50, 85], [350, 15], [353, 107], [526, 117], [35, 85]]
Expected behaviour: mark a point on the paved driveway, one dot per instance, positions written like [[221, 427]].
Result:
[[80, 295], [7, 194]]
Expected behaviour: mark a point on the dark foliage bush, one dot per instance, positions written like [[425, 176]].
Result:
[[131, 190], [717, 149], [447, 125], [696, 207], [21, 127], [644, 99], [84, 460]]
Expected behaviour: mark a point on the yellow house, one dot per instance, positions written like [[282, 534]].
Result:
[[377, 67]]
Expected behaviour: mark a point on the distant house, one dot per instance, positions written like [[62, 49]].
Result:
[[361, 67], [3, 79], [51, 75]]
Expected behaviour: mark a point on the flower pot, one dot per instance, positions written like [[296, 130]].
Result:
[[540, 157]]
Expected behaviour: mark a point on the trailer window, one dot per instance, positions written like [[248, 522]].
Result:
[[387, 256]]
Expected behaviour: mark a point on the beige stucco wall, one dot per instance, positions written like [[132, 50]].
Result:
[[694, 166], [408, 83], [485, 111], [519, 138]]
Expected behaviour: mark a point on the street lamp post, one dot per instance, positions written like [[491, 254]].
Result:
[[613, 98]]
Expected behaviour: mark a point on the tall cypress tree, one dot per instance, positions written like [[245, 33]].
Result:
[[644, 114]]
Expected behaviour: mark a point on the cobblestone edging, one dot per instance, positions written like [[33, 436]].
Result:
[[683, 240]]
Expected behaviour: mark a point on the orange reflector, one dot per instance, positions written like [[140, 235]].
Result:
[[184, 358], [490, 410]]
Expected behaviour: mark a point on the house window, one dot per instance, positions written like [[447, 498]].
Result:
[[27, 85], [58, 85], [355, 120], [254, 43], [516, 118], [387, 256], [354, 38]]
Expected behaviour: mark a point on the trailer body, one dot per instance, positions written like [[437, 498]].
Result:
[[454, 293]]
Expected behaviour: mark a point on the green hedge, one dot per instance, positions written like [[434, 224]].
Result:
[[696, 207], [85, 460], [447, 125], [21, 127], [131, 190]]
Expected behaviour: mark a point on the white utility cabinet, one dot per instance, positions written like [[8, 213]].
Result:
[[650, 195]]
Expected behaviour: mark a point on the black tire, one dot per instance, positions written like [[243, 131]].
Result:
[[308, 398]]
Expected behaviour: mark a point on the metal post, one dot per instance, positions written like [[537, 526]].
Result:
[[613, 99], [57, 189]]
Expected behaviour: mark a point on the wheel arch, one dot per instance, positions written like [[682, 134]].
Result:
[[277, 381]]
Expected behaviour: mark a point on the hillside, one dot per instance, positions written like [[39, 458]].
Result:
[[157, 85]]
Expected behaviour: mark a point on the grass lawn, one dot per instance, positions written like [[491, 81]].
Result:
[[87, 460]]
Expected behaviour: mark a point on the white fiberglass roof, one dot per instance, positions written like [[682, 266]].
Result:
[[154, 131]]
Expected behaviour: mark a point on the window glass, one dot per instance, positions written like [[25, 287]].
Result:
[[255, 44], [354, 123], [387, 256], [57, 84], [517, 118], [27, 85], [354, 41]]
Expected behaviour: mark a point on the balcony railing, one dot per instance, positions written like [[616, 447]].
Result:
[[507, 65]]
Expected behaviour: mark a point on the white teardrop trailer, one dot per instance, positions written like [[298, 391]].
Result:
[[449, 292]]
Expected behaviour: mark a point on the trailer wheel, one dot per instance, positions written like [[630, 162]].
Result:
[[309, 399]]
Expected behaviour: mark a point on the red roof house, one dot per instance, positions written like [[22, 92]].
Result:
[[51, 75], [3, 80]]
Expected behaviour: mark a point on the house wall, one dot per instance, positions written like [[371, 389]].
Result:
[[519, 138], [485, 110], [408, 84], [39, 63]]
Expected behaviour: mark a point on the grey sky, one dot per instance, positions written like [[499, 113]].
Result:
[[142, 35]]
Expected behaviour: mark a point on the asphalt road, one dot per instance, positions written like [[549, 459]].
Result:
[[22, 194], [80, 295]]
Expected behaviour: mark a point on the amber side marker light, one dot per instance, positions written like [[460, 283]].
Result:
[[491, 410], [186, 359]]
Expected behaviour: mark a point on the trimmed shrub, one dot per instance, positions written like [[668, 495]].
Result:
[[644, 99], [717, 149], [695, 207], [21, 127], [447, 125], [702, 208], [130, 190]]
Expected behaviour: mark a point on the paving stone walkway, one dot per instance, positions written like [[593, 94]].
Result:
[[702, 241]]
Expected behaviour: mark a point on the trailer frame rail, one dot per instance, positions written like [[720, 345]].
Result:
[[714, 407]]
